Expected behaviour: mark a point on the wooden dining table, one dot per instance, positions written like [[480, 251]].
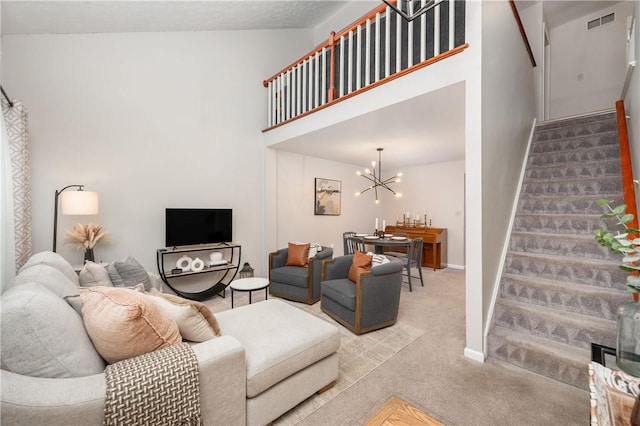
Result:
[[380, 243]]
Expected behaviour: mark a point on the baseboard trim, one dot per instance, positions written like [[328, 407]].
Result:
[[474, 355], [452, 266]]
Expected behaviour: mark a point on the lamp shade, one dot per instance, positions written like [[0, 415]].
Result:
[[79, 202]]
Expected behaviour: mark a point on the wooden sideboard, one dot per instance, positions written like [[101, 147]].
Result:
[[434, 251]]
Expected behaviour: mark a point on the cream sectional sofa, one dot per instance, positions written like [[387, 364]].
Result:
[[270, 357]]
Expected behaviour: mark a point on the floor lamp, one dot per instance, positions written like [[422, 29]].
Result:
[[73, 203]]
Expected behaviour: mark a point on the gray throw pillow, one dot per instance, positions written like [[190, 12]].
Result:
[[128, 273], [42, 336], [93, 274]]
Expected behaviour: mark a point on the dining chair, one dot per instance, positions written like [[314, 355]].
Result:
[[355, 244], [345, 242], [414, 260], [401, 251]]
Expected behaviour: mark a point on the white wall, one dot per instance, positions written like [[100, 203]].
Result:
[[148, 120], [588, 67], [296, 220], [508, 110], [532, 19], [352, 11], [439, 189]]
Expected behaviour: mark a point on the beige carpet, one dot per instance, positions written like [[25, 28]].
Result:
[[358, 355]]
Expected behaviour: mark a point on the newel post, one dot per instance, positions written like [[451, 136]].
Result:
[[331, 95]]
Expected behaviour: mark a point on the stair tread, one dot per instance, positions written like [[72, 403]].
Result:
[[580, 237], [574, 287], [551, 347], [559, 257], [568, 316], [605, 115]]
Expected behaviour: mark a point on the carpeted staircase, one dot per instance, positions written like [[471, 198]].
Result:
[[560, 290]]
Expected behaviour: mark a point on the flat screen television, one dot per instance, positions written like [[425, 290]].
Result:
[[185, 227]]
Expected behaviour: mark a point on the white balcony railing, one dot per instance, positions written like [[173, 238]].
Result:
[[377, 48]]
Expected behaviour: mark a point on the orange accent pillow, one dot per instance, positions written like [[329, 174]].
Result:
[[361, 263], [298, 254]]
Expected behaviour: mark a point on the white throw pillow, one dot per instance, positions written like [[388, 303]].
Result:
[[378, 259], [195, 321]]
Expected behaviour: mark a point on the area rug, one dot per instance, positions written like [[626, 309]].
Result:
[[396, 412], [358, 355]]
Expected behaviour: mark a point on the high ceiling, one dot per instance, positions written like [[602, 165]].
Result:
[[435, 133], [105, 16]]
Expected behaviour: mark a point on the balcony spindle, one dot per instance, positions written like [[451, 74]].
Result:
[[310, 83], [359, 59]]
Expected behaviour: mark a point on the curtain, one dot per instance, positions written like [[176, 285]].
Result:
[[16, 187]]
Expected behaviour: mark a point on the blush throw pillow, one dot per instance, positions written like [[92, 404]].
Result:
[[123, 323], [361, 263], [195, 320], [298, 254]]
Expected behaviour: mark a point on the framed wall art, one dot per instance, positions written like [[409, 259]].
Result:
[[327, 197]]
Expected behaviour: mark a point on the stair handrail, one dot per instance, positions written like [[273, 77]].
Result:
[[626, 165], [523, 33]]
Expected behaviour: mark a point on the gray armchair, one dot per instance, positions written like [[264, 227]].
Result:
[[297, 283], [366, 305]]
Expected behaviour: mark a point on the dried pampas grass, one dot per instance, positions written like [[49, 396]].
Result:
[[86, 236]]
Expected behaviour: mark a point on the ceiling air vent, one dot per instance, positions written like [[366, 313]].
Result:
[[594, 23]]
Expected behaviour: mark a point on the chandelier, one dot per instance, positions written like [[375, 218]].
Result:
[[411, 9], [374, 176]]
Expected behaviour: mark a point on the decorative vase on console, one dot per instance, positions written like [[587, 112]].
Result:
[[627, 244], [88, 255], [85, 237]]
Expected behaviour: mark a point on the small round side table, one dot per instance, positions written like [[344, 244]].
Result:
[[249, 284]]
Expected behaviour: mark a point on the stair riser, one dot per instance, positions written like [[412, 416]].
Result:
[[575, 131], [525, 357], [565, 205], [610, 168], [558, 246], [607, 276], [573, 143], [553, 327], [585, 302], [580, 156], [560, 224], [593, 186]]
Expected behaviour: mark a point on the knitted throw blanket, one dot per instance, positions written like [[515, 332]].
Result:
[[158, 388]]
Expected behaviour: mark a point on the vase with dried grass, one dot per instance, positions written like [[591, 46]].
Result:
[[86, 237]]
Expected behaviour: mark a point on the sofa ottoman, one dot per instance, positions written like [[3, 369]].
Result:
[[289, 355]]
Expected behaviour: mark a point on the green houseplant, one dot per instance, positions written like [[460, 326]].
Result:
[[626, 244]]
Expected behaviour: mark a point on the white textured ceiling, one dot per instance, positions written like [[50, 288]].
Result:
[[105, 16]]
